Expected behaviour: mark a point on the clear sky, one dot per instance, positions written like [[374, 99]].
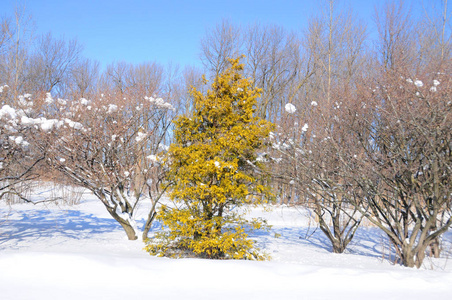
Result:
[[166, 30]]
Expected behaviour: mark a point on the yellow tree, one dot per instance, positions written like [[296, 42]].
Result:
[[214, 167]]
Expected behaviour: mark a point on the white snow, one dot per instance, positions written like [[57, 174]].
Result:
[[8, 111], [152, 158], [314, 103], [140, 136], [62, 101], [159, 103], [305, 127], [163, 147], [24, 100], [418, 83], [290, 108], [72, 124], [27, 121], [80, 252], [49, 99], [435, 84], [112, 108], [48, 124], [18, 140]]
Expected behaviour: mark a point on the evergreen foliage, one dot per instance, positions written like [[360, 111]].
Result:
[[215, 171]]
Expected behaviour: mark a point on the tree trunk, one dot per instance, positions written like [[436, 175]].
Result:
[[147, 226], [336, 241], [435, 249], [130, 230], [407, 256], [338, 246]]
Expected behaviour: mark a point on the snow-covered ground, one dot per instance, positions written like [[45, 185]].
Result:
[[79, 252]]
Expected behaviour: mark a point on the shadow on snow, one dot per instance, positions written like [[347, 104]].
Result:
[[73, 224], [36, 224], [367, 241]]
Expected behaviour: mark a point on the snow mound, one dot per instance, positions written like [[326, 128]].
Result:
[[80, 252]]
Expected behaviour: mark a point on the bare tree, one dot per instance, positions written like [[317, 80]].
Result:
[[52, 63], [396, 30], [312, 154], [273, 62], [222, 43], [191, 77], [436, 41], [315, 139], [145, 79], [406, 170], [115, 77], [83, 79], [109, 146], [18, 160], [5, 24], [335, 43], [17, 39]]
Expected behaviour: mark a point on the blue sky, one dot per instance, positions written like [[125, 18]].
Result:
[[164, 31]]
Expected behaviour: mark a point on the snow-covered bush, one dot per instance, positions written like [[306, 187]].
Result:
[[104, 145], [17, 158]]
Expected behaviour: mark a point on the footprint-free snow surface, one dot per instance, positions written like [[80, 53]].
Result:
[[80, 252]]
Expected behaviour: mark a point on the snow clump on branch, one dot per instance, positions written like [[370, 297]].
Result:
[[159, 102], [290, 108], [49, 99], [112, 108], [140, 136], [3, 87], [8, 111], [419, 83]]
